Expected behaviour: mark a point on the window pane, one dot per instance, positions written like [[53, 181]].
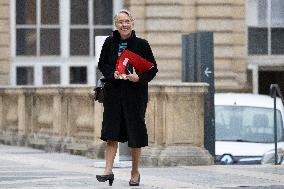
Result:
[[79, 12], [78, 75], [26, 12], [51, 75], [277, 13], [262, 12], [49, 11], [103, 12], [101, 32], [247, 123], [257, 41], [25, 75], [256, 13], [49, 42], [26, 42], [79, 42], [277, 40]]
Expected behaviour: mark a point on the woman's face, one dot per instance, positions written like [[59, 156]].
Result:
[[124, 25]]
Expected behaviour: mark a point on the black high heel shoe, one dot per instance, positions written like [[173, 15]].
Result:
[[103, 178], [133, 182]]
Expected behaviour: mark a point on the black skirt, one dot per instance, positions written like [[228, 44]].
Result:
[[124, 116]]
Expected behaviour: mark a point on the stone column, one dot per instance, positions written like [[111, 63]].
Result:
[[21, 115], [55, 142], [98, 115], [239, 43], [1, 111], [24, 115], [175, 122], [57, 111], [4, 42], [99, 145]]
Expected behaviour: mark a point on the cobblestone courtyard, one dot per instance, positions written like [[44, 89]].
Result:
[[27, 168]]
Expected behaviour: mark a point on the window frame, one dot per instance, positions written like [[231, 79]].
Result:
[[258, 62], [64, 61], [262, 59]]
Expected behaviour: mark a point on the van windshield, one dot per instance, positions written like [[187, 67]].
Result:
[[247, 124]]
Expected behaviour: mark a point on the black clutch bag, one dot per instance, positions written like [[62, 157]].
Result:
[[99, 90]]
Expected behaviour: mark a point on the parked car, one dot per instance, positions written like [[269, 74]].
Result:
[[245, 128]]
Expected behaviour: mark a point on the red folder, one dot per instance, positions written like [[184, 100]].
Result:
[[139, 63]]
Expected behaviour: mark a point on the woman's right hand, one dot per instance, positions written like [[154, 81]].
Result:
[[116, 75]]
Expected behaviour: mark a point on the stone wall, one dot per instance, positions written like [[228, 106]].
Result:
[[68, 120], [226, 18], [4, 42], [175, 119], [60, 119]]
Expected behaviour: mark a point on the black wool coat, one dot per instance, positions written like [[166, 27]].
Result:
[[125, 102]]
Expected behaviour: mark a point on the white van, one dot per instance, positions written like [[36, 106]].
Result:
[[245, 128]]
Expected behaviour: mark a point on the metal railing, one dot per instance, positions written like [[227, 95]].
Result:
[[274, 91]]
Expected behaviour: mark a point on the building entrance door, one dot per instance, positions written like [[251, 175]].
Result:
[[266, 78]]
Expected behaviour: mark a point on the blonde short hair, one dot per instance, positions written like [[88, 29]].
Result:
[[125, 12]]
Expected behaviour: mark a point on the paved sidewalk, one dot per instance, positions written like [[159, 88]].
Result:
[[27, 168]]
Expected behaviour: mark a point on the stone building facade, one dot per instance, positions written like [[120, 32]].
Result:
[[162, 22], [4, 42], [235, 24], [248, 56]]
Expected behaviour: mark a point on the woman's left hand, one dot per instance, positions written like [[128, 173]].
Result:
[[133, 77]]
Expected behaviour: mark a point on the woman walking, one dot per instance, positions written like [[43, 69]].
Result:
[[125, 100]]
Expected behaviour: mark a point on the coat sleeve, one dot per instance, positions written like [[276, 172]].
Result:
[[104, 65], [150, 74]]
